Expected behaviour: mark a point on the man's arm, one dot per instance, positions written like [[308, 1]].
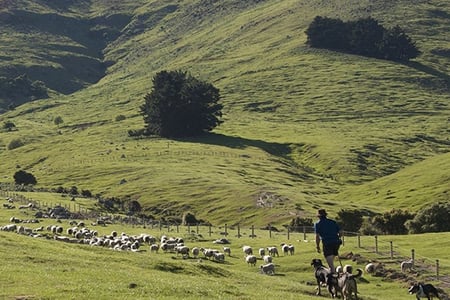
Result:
[[318, 242]]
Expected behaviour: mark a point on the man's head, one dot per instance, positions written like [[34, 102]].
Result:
[[321, 213]]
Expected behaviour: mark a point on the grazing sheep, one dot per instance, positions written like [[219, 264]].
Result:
[[251, 259], [262, 252], [370, 268], [247, 250], [291, 249], [154, 247], [183, 250], [285, 249], [218, 256], [10, 227], [195, 252], [406, 265], [208, 253], [272, 251], [227, 250], [268, 269], [267, 259]]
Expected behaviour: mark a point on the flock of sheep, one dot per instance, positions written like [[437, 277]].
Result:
[[79, 233]]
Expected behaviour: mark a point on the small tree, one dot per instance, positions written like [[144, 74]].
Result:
[[180, 105], [434, 218], [350, 220], [23, 177], [9, 126], [58, 120], [393, 222]]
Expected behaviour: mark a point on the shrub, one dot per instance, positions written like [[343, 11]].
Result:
[[23, 177], [393, 222], [434, 218], [350, 220], [15, 143]]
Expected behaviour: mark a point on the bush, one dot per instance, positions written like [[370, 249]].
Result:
[[120, 118], [14, 144], [434, 218], [362, 37], [393, 222], [350, 220], [23, 177]]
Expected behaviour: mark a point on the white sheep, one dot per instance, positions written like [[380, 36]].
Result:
[[154, 247], [227, 250], [251, 259], [262, 252], [370, 268], [272, 251], [218, 256], [183, 250], [285, 249], [267, 259], [195, 252], [268, 269], [247, 250], [407, 265]]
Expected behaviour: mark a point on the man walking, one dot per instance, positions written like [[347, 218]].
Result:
[[329, 232]]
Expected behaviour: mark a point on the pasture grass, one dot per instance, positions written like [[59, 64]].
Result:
[[309, 127]]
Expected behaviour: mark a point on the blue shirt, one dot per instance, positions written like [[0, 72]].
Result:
[[328, 231]]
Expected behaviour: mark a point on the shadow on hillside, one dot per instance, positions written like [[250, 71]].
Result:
[[235, 142], [444, 78], [72, 51]]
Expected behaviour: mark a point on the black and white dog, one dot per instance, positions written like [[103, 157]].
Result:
[[320, 273], [423, 291]]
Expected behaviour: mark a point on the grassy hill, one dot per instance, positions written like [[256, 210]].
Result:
[[303, 127]]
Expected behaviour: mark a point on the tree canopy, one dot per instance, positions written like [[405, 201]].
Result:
[[180, 105], [362, 37], [23, 177]]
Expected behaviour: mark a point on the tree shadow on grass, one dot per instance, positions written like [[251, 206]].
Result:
[[443, 78], [277, 149]]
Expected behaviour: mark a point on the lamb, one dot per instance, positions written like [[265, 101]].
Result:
[[272, 251], [262, 252], [195, 252], [218, 256], [291, 249], [183, 250], [285, 249], [406, 265], [251, 259], [154, 247], [268, 269], [227, 250], [247, 250], [267, 259]]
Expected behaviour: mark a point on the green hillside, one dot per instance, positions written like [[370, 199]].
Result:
[[302, 127]]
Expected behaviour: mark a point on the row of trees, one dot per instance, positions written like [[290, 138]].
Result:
[[432, 218], [362, 37]]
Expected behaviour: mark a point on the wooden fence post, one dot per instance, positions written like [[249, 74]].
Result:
[[376, 244], [288, 230], [253, 231], [209, 230], [412, 257], [239, 231], [392, 250], [359, 240], [304, 232], [226, 230], [270, 231], [437, 269]]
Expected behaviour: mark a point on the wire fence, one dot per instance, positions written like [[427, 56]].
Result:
[[383, 247]]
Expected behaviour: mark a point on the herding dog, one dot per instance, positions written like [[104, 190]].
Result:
[[320, 273], [344, 283], [423, 291]]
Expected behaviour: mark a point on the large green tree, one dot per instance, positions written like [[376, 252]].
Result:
[[180, 105]]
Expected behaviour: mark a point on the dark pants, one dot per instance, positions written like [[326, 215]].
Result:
[[331, 249]]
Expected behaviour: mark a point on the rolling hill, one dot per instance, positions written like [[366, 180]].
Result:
[[303, 128]]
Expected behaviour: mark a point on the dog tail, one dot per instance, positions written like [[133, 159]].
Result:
[[358, 274]]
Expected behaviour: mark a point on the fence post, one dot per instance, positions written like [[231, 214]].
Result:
[[197, 228], [437, 269], [209, 230], [253, 231], [392, 250], [288, 230], [412, 257], [178, 228], [226, 232], [270, 231], [189, 228], [239, 231], [304, 232], [376, 244], [359, 240], [343, 239]]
